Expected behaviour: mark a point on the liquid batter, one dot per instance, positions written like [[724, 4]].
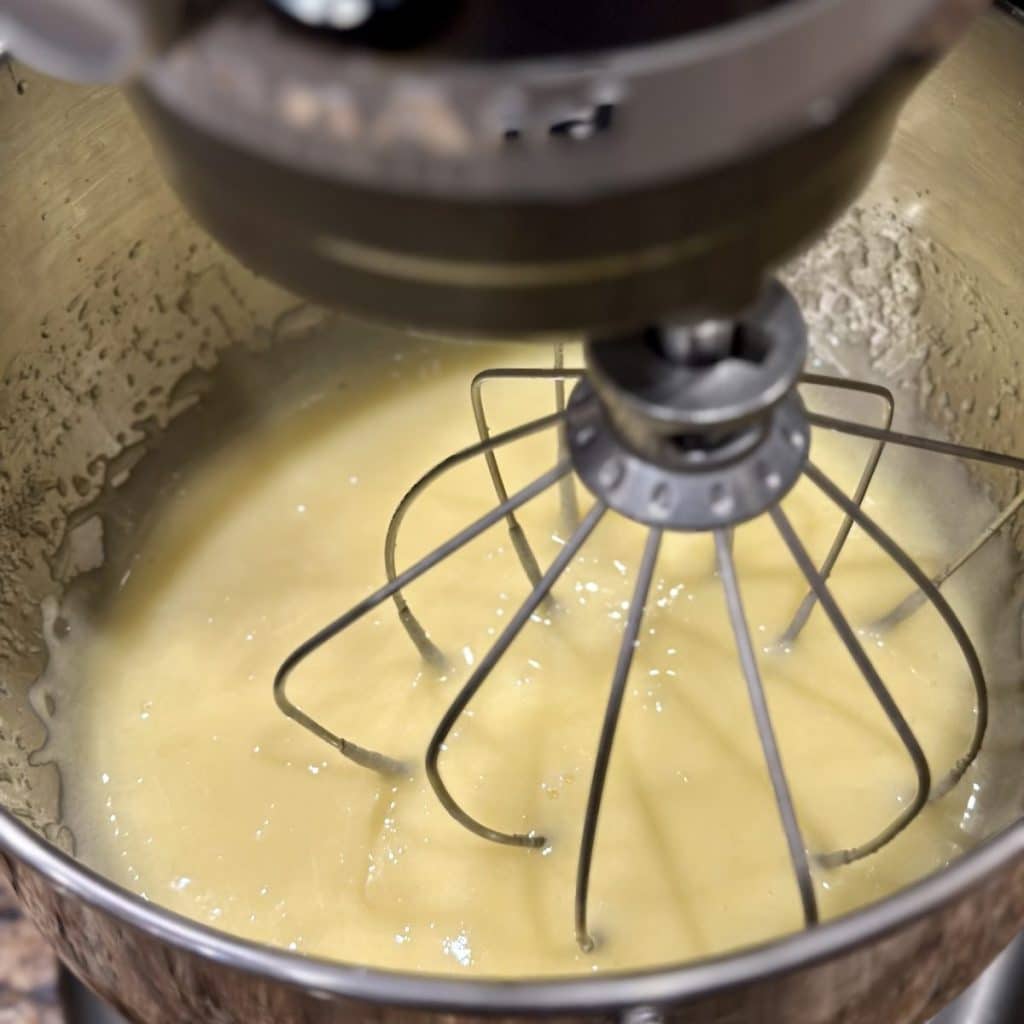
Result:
[[191, 788]]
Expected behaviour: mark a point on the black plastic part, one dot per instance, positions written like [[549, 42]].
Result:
[[514, 29]]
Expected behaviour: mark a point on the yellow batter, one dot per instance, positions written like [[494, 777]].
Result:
[[191, 788]]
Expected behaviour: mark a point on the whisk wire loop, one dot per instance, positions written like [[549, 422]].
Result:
[[765, 731], [881, 692], [567, 491], [431, 653], [567, 501], [480, 675], [613, 708], [360, 755], [806, 606], [916, 598], [932, 593]]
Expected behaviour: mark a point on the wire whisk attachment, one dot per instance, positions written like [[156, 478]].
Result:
[[684, 429]]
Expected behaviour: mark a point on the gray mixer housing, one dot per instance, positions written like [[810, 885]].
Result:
[[444, 189]]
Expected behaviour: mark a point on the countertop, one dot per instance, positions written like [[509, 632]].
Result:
[[29, 989]]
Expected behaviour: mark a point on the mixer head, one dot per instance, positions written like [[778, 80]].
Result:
[[508, 168]]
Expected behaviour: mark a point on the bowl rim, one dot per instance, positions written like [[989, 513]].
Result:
[[666, 984]]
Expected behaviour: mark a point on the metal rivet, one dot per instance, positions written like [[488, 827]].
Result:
[[771, 478], [722, 502], [660, 501], [611, 473]]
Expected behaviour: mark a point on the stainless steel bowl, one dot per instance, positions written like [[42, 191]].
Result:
[[131, 343]]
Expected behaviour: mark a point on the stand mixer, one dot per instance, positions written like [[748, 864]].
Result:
[[483, 169]]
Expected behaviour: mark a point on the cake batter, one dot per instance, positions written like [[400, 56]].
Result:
[[190, 787]]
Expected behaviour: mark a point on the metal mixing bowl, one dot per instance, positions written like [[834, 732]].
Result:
[[131, 343]]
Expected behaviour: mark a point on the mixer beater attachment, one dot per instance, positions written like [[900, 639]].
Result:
[[685, 428]]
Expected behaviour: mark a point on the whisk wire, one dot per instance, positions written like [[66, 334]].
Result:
[[517, 536], [928, 444], [917, 598], [765, 730], [567, 493], [939, 603], [480, 675], [878, 688], [567, 486], [360, 755], [431, 653], [803, 612], [627, 648]]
